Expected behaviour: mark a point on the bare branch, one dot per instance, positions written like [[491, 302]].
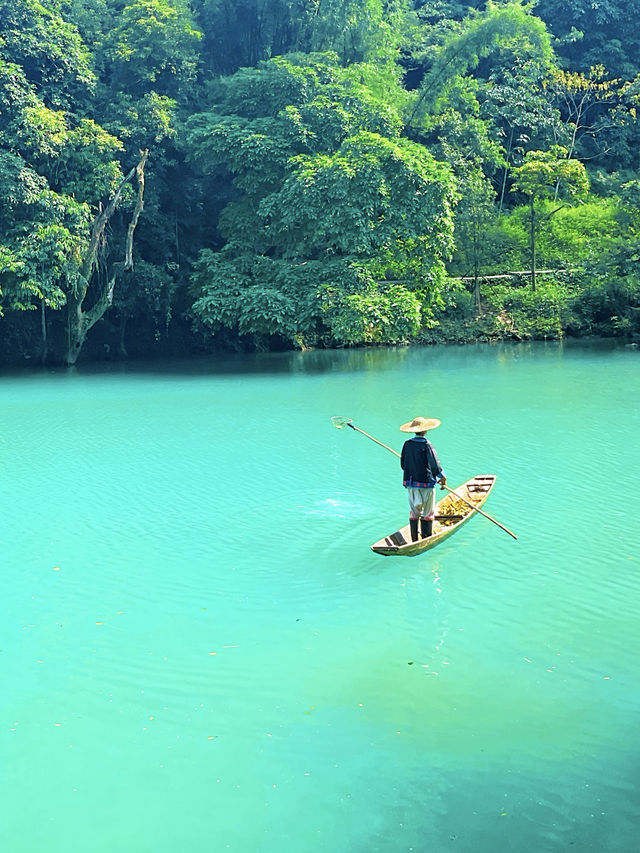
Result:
[[80, 321], [128, 255]]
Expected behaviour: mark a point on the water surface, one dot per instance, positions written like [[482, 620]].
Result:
[[200, 652]]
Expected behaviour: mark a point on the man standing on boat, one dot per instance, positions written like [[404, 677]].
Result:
[[422, 470]]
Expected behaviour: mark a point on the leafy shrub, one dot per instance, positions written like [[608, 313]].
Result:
[[379, 314], [507, 311], [523, 313], [565, 236], [609, 299]]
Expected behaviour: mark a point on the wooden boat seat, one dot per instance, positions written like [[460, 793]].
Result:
[[397, 538]]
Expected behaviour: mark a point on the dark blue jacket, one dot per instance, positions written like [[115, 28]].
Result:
[[420, 463]]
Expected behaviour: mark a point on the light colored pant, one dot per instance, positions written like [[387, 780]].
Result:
[[422, 503]]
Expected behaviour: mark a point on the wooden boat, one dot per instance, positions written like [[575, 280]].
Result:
[[451, 514]]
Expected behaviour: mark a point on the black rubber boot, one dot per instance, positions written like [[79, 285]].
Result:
[[426, 528], [413, 524]]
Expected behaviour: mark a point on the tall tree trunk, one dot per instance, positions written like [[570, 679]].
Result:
[[43, 327], [122, 348], [532, 242], [79, 320], [506, 171], [476, 267]]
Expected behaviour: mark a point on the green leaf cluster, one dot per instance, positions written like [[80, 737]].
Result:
[[325, 186], [349, 172]]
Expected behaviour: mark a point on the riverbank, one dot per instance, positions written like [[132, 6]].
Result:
[[492, 312], [556, 309]]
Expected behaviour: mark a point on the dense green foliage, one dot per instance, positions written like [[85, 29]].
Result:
[[190, 174]]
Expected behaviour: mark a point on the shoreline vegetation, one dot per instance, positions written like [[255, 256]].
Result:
[[191, 176]]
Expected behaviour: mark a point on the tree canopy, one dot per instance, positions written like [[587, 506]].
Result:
[[277, 173]]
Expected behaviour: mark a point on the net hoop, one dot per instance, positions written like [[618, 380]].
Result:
[[340, 422]]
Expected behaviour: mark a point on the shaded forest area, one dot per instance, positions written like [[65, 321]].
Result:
[[190, 175]]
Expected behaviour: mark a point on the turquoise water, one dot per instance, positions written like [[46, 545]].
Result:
[[201, 653]]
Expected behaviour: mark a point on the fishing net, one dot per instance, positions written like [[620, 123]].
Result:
[[340, 423]]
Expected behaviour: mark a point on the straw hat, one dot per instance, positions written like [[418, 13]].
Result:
[[420, 425]]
